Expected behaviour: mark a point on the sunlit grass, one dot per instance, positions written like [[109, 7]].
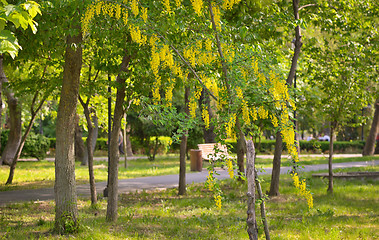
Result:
[[350, 213], [42, 174]]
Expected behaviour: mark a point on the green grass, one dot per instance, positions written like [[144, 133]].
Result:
[[260, 162], [350, 213], [30, 175]]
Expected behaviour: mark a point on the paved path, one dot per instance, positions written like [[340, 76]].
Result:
[[168, 181]]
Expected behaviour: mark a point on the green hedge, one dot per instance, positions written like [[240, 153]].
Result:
[[268, 146], [36, 145]]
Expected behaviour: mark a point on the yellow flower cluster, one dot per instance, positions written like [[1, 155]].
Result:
[[254, 114], [239, 92], [134, 7], [166, 56], [301, 185], [156, 94], [169, 92], [217, 199], [210, 84], [125, 16], [192, 105], [229, 165], [178, 3], [210, 183], [261, 79], [144, 14], [228, 4], [217, 17], [197, 6], [230, 125], [262, 113], [198, 91], [208, 44], [245, 112], [205, 116], [136, 35], [166, 4], [278, 89], [101, 7], [274, 121]]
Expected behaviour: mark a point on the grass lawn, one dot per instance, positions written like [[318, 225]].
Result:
[[30, 175], [350, 213]]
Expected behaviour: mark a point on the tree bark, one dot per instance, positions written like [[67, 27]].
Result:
[[330, 185], [369, 148], [128, 143], [183, 148], [263, 208], [209, 135], [90, 138], [241, 150], [252, 228], [113, 145], [65, 185], [15, 134], [275, 176], [21, 145], [79, 144]]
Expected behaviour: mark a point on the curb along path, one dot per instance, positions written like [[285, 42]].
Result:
[[147, 183]]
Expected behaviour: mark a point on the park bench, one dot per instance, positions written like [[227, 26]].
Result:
[[208, 151]]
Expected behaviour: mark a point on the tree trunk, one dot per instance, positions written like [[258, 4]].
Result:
[[330, 186], [183, 148], [263, 208], [95, 130], [90, 150], [66, 211], [21, 146], [80, 152], [252, 228], [2, 79], [15, 134], [128, 143], [369, 148], [113, 145], [209, 135], [275, 176], [241, 150]]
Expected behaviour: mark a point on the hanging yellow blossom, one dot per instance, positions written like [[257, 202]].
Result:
[[197, 6], [134, 7], [254, 114], [199, 89], [217, 16], [166, 4], [245, 112], [125, 16], [262, 113], [178, 3], [239, 92], [301, 185], [144, 14], [192, 107], [205, 116], [230, 125], [208, 44], [217, 199], [210, 183], [229, 165], [169, 92], [274, 121]]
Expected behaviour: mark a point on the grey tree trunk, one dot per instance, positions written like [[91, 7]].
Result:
[[252, 228], [275, 176], [113, 145], [66, 211], [95, 130], [369, 148], [80, 154], [21, 146], [183, 148], [15, 134], [128, 143], [241, 150], [330, 166], [90, 149]]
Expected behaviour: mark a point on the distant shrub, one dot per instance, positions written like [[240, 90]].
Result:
[[36, 145]]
